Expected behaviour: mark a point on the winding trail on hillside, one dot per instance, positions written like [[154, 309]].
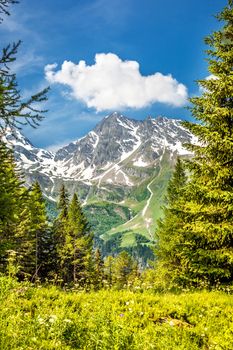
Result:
[[149, 199], [148, 221]]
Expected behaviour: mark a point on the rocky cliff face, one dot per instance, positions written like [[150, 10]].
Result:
[[119, 151]]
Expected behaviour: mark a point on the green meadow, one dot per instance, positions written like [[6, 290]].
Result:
[[46, 318]]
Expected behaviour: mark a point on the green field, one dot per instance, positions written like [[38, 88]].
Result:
[[39, 318]]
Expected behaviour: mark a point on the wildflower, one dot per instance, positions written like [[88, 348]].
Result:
[[67, 320], [122, 315], [52, 318], [40, 320]]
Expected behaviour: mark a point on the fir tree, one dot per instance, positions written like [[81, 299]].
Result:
[[79, 244], [208, 213], [63, 204], [59, 231], [98, 270], [4, 7], [36, 239], [124, 269], [74, 242], [11, 210], [15, 112], [168, 236], [14, 212], [108, 270]]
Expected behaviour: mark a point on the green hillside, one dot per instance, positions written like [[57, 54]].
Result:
[[123, 218]]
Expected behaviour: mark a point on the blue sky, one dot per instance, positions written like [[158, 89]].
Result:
[[139, 57]]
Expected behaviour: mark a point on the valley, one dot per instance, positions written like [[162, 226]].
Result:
[[120, 171]]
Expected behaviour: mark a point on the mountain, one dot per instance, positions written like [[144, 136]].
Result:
[[120, 171]]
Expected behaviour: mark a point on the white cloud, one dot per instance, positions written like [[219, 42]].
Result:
[[112, 83]]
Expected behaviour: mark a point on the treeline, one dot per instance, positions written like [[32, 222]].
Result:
[[195, 237], [61, 252]]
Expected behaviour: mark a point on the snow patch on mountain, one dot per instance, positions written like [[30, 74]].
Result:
[[140, 163], [116, 152]]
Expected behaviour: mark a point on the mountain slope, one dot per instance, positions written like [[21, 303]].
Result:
[[122, 165]]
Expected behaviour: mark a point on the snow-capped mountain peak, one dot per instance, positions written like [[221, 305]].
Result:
[[119, 152]]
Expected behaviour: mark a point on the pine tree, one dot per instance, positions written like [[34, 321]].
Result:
[[208, 212], [15, 112], [108, 270], [79, 244], [63, 204], [124, 270], [98, 277], [34, 245], [168, 236], [74, 242], [4, 5], [11, 195], [59, 231]]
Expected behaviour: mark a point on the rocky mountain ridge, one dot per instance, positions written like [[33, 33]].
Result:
[[120, 171], [119, 151]]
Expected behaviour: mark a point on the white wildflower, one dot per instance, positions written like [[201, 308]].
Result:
[[67, 320]]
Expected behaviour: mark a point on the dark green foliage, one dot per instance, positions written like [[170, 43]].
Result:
[[13, 111], [11, 196], [98, 271], [59, 230], [74, 242], [195, 238], [142, 250], [23, 222], [79, 243], [123, 269], [112, 245], [208, 221], [103, 216], [35, 242], [169, 240], [63, 204], [21, 214], [140, 193]]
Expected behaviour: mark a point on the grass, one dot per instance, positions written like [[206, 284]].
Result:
[[40, 318], [154, 211]]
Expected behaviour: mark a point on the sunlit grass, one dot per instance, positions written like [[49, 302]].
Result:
[[47, 318]]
